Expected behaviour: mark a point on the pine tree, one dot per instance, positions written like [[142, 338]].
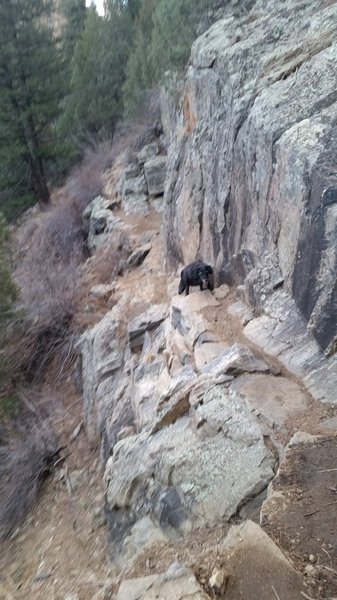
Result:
[[98, 70], [133, 6], [29, 98], [173, 20], [164, 32], [74, 12], [139, 70]]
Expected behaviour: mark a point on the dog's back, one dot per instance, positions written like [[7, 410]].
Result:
[[196, 273]]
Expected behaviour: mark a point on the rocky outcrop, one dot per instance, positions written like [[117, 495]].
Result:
[[155, 172], [100, 223], [192, 411], [186, 474], [104, 354], [184, 419], [251, 184], [141, 185]]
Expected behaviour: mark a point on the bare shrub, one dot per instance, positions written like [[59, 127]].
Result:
[[131, 135], [84, 183], [47, 274], [28, 448]]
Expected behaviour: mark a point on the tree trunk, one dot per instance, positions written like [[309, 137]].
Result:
[[39, 181]]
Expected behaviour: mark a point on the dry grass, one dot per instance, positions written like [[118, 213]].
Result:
[[50, 251], [84, 184], [86, 181]]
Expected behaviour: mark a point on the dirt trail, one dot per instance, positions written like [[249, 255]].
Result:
[[60, 551]]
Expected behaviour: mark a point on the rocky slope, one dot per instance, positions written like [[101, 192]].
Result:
[[193, 418]]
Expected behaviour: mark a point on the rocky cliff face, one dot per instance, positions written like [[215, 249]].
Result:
[[252, 177]]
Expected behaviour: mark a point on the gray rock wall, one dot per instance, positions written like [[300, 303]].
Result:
[[252, 175]]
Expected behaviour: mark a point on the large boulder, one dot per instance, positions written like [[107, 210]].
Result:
[[155, 173], [147, 152], [104, 353], [257, 568], [136, 203], [135, 185], [194, 472], [101, 223]]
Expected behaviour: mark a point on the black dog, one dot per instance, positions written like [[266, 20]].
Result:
[[196, 273]]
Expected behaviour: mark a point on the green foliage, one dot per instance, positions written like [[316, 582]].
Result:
[[164, 32], [95, 100], [139, 70], [74, 12], [133, 7], [30, 89], [174, 30]]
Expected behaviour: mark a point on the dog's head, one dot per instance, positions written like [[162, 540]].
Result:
[[203, 275]]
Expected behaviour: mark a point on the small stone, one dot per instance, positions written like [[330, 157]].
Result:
[[312, 558], [310, 570], [277, 283], [42, 575], [221, 292], [98, 518], [126, 432], [77, 477], [15, 533], [101, 291], [76, 432], [138, 255], [218, 580]]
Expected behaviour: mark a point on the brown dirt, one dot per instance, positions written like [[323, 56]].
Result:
[[201, 551], [306, 526]]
